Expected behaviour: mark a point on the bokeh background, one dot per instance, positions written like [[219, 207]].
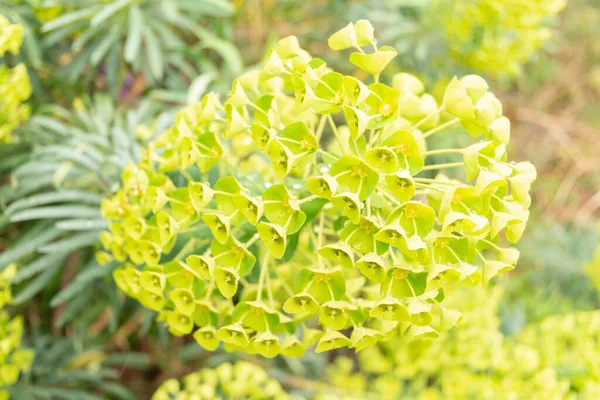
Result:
[[94, 79]]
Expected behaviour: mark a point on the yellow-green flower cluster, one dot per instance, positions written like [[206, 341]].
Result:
[[322, 178], [11, 37], [571, 344], [556, 359], [344, 383], [13, 359], [495, 36], [14, 82], [240, 381]]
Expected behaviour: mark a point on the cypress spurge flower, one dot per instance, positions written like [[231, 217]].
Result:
[[13, 358], [241, 380], [325, 228], [15, 87]]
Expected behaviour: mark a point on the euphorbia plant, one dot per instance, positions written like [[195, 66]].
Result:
[[13, 358], [299, 210], [14, 82], [241, 380]]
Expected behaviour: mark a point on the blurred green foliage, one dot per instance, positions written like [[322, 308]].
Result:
[[145, 58]]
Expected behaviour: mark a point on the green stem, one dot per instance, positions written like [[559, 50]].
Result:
[[269, 292], [388, 196], [320, 238], [189, 245], [436, 181], [186, 175], [336, 133], [251, 241], [223, 193], [321, 128], [440, 128], [357, 47], [427, 118], [480, 255], [442, 166], [492, 244], [210, 289], [309, 198], [264, 266], [325, 153], [425, 186]]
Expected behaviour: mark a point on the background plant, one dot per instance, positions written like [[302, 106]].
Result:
[[435, 39], [14, 83], [241, 380], [72, 159], [125, 47], [551, 359], [13, 359]]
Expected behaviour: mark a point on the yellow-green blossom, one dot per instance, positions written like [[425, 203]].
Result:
[[13, 358], [15, 87], [241, 381], [495, 36]]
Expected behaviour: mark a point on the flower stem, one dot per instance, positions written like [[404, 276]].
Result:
[[264, 266], [307, 199], [436, 181], [442, 166], [441, 127], [427, 118], [251, 241], [189, 245], [325, 153]]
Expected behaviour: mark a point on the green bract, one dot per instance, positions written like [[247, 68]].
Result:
[[241, 380], [299, 210]]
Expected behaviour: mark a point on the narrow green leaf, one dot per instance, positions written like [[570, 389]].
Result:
[[110, 40], [67, 19], [31, 47], [75, 308], [231, 56], [79, 158], [72, 243], [60, 196], [50, 124], [141, 361], [13, 161], [82, 224], [153, 54], [38, 265], [23, 248], [118, 391], [134, 35], [33, 168], [198, 87], [90, 273], [108, 11], [57, 212], [36, 285]]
